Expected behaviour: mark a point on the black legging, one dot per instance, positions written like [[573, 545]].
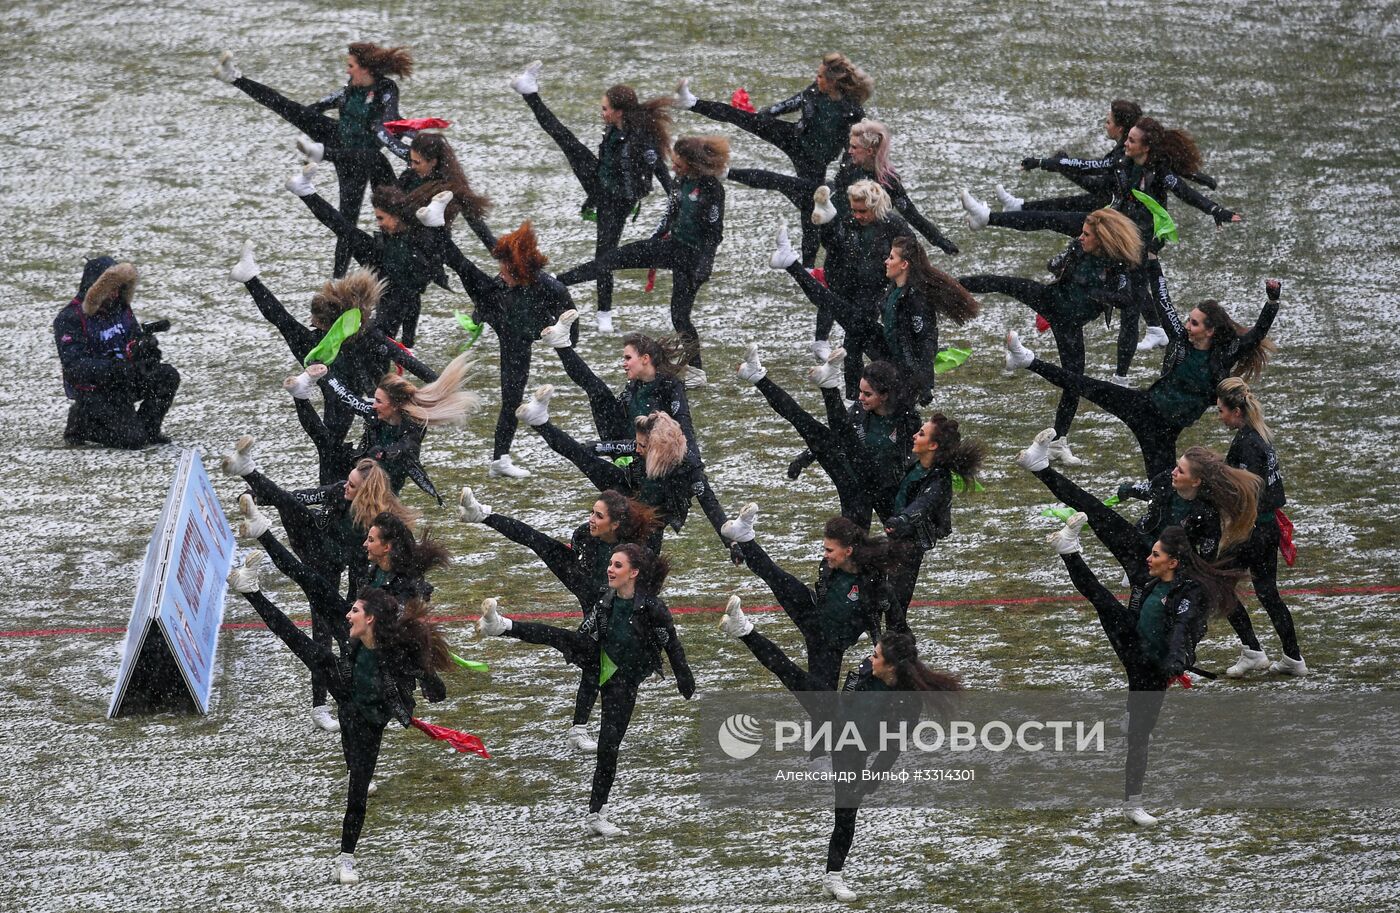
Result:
[[799, 193], [610, 416], [781, 133], [1260, 556], [1128, 545], [1147, 682], [359, 739], [832, 447], [688, 273], [1068, 331], [1083, 202], [306, 534], [563, 563], [612, 211], [355, 169], [1156, 435], [619, 697], [110, 417], [857, 318], [301, 340], [799, 603], [328, 608], [844, 761]]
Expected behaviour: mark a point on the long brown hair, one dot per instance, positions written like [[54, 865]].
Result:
[[1125, 113], [382, 61], [870, 555], [1215, 577], [447, 174], [649, 121], [1174, 148], [705, 156], [941, 290], [669, 355], [900, 651], [1233, 492], [1224, 329], [407, 639], [651, 568], [849, 80], [636, 522], [360, 289], [407, 555], [957, 455]]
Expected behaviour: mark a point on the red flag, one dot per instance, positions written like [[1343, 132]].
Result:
[[819, 274], [1041, 324], [740, 100], [398, 367], [1285, 537], [462, 741], [414, 124], [1182, 680], [651, 279]]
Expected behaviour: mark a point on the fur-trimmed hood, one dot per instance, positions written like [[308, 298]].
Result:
[[103, 279]]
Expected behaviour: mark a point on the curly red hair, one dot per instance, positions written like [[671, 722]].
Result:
[[520, 253]]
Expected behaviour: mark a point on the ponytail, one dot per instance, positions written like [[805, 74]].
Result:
[[943, 293], [953, 453], [1234, 393]]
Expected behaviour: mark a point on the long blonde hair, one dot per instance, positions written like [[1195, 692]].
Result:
[[1118, 235], [1235, 394], [666, 445], [375, 495], [442, 402]]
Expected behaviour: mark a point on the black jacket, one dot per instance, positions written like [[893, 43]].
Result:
[[856, 278], [99, 341], [1223, 358], [653, 627], [814, 152], [395, 447], [849, 173], [1184, 619], [383, 106], [1104, 287], [879, 610], [1250, 451], [883, 478], [686, 481], [928, 515], [916, 331], [1202, 521], [524, 311], [639, 161]]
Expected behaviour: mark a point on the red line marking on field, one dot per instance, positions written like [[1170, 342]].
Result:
[[700, 610]]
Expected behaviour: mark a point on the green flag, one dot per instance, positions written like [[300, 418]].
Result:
[[470, 327], [1163, 228], [960, 484], [948, 359], [345, 326], [470, 664], [606, 667]]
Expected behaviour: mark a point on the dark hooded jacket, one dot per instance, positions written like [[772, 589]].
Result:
[[97, 335]]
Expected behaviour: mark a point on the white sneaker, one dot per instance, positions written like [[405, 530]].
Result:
[[1134, 812], [502, 466], [784, 256], [1119, 379], [823, 210], [1066, 539], [491, 623], [1153, 338], [1286, 665], [434, 215], [528, 82], [830, 375], [1037, 456], [302, 386], [1059, 450], [343, 871], [734, 622], [255, 522], [820, 349], [533, 412], [1009, 203], [605, 321], [469, 509], [1249, 661], [695, 377], [751, 369], [978, 213], [372, 788], [684, 97], [740, 529], [244, 577], [301, 183], [321, 716], [239, 460], [226, 69], [313, 150], [597, 823], [1017, 355], [558, 334], [579, 740], [834, 886], [246, 269]]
